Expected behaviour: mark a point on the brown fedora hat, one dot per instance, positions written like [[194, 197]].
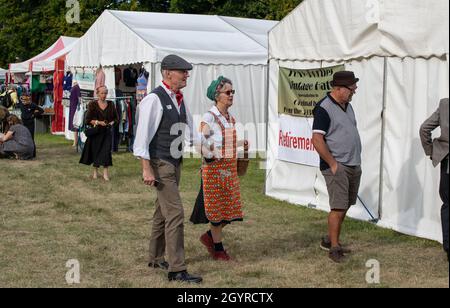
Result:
[[344, 79]]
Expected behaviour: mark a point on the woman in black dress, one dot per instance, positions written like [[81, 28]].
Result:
[[101, 116]]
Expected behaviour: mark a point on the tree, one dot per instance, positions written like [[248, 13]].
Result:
[[28, 27]]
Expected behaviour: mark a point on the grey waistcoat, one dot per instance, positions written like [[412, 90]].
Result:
[[163, 141], [343, 138]]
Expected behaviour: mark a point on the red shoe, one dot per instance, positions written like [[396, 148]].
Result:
[[206, 240], [221, 256]]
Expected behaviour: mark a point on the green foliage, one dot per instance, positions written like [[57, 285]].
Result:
[[28, 27]]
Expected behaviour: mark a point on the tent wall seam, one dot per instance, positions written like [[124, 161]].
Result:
[[383, 134]]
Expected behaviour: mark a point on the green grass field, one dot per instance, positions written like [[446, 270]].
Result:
[[51, 211]]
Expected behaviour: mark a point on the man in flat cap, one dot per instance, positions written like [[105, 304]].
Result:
[[163, 116], [336, 139]]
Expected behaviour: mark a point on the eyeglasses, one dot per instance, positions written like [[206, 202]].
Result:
[[229, 92], [182, 72], [351, 89]]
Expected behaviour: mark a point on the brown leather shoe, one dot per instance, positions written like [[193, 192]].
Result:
[[325, 244], [336, 254]]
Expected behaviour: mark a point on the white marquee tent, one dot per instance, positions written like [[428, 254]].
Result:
[[215, 45], [2, 74], [399, 50]]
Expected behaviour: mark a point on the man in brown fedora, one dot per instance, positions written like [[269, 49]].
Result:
[[336, 139]]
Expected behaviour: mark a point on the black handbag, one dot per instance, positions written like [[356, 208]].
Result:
[[91, 131]]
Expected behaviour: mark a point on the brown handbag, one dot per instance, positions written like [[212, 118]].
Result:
[[242, 164]]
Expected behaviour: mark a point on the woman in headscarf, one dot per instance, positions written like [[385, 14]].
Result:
[[100, 117], [221, 190]]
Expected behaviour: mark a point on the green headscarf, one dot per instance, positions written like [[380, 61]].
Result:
[[212, 89]]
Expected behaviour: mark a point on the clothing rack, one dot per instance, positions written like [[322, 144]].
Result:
[[87, 100]]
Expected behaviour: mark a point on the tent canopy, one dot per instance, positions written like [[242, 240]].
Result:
[[120, 38], [26, 66], [48, 64], [351, 29]]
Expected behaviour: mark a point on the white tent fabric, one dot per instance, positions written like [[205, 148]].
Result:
[[48, 65], [350, 29], [232, 47], [24, 67], [2, 74], [399, 51], [149, 37]]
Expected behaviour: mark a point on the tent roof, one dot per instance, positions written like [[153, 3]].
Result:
[[336, 30], [48, 64], [121, 37], [60, 44]]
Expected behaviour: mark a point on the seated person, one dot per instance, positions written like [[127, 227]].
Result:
[[17, 141], [4, 114]]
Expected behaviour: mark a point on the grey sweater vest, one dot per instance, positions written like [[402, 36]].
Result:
[[164, 145]]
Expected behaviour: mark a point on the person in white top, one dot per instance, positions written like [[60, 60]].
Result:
[[221, 188], [163, 117]]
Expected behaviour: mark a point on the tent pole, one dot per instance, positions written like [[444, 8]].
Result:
[[153, 76], [266, 119], [383, 131]]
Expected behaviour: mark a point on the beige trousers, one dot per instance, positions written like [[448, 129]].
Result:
[[168, 220]]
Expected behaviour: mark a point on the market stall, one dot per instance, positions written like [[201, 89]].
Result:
[[40, 74], [400, 55]]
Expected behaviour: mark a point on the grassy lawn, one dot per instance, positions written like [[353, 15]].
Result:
[[51, 211]]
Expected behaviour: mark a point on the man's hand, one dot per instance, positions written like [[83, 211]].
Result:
[[334, 167], [148, 177]]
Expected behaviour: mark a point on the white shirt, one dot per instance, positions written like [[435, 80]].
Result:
[[214, 127], [149, 119]]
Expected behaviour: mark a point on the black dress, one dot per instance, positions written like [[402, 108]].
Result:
[[198, 215], [97, 148]]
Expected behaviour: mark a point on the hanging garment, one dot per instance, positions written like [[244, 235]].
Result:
[[99, 78], [117, 75], [67, 81], [75, 94], [141, 89], [48, 102]]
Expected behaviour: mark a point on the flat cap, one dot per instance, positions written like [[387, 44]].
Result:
[[174, 62]]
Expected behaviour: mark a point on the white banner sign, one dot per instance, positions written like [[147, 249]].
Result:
[[295, 141]]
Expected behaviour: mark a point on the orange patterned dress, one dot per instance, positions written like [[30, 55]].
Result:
[[222, 196]]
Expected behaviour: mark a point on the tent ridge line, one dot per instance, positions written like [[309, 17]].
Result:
[[129, 28], [266, 47]]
